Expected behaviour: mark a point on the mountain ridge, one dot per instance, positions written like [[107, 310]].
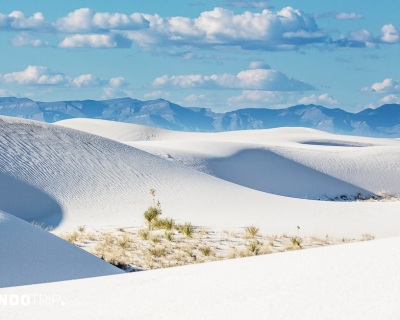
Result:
[[380, 122]]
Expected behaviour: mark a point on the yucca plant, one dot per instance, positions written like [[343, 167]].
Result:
[[252, 231]]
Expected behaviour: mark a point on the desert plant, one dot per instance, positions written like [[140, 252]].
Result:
[[156, 239], [71, 237], [251, 231], [296, 241], [187, 229], [151, 214], [169, 236], [123, 241], [81, 228], [157, 252], [166, 223], [144, 234], [254, 247], [206, 251], [367, 237]]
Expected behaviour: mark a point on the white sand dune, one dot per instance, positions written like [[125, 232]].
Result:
[[90, 180], [30, 255], [354, 281], [65, 177], [295, 162]]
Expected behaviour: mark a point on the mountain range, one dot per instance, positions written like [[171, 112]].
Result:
[[380, 122]]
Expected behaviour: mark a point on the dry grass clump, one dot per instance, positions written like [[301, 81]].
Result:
[[187, 229]]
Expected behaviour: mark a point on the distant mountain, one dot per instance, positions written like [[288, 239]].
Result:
[[380, 122]]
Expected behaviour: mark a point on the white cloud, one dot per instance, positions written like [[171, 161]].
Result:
[[22, 40], [388, 85], [16, 20], [348, 16], [156, 94], [390, 99], [324, 98], [86, 20], [116, 87], [390, 34], [255, 79], [34, 75], [94, 41], [257, 99], [282, 30], [195, 98], [43, 76]]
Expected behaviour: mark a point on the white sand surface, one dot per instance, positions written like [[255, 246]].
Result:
[[354, 281], [31, 255]]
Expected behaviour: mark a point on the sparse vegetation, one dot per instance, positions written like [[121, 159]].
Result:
[[252, 231], [187, 229], [166, 244]]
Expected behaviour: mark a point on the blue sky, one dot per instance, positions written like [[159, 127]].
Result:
[[219, 54]]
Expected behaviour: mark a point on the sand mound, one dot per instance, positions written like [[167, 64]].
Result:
[[354, 281], [31, 255]]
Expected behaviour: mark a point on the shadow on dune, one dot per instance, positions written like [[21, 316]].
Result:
[[27, 202], [267, 171]]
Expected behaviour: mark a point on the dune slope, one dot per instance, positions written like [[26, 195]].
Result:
[[355, 281], [31, 255]]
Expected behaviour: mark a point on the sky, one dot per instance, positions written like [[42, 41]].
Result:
[[223, 55]]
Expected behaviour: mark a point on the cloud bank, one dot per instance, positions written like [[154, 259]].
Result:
[[253, 79]]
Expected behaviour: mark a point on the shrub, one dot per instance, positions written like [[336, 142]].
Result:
[[169, 236], [151, 214], [187, 229], [296, 241], [252, 231], [123, 242], [254, 247], [207, 251], [167, 224], [157, 252], [144, 234]]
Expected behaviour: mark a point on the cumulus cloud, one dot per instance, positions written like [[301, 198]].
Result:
[[254, 79], [23, 40], [321, 99], [34, 75], [43, 76], [286, 29], [86, 20], [390, 99], [257, 98], [390, 34], [95, 41], [16, 20], [386, 86], [156, 94]]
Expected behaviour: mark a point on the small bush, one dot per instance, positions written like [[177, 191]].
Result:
[[187, 229], [296, 241], [206, 251], [144, 234], [156, 239], [167, 224], [252, 231], [169, 236], [123, 242], [81, 228], [151, 214], [254, 247], [157, 252]]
